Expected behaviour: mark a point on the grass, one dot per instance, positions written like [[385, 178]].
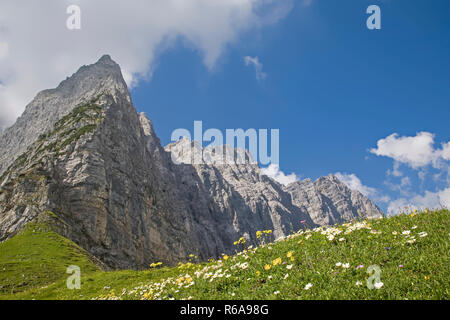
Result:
[[38, 257], [411, 251]]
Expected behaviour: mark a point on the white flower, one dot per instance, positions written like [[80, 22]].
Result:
[[406, 232], [338, 264], [394, 233], [286, 276], [289, 266], [277, 292], [341, 239], [378, 285], [331, 237], [415, 227], [411, 241], [358, 283], [346, 265], [308, 286], [233, 294], [423, 234]]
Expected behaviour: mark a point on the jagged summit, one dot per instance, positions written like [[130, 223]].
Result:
[[49, 106]]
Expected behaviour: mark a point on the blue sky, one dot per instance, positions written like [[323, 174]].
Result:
[[369, 105], [333, 88]]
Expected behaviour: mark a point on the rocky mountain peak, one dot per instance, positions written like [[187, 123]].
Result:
[[101, 78]]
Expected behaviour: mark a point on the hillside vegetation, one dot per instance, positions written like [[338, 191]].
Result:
[[411, 253]]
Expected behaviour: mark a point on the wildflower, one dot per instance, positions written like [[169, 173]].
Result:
[[269, 277], [331, 237], [378, 285], [411, 241], [388, 248], [422, 234], [400, 266], [233, 294], [308, 286], [394, 233], [258, 234], [289, 254], [346, 265], [286, 276], [225, 257], [276, 292], [308, 236], [406, 232], [341, 239], [338, 264], [258, 273], [267, 267], [414, 227], [277, 261], [359, 267], [289, 267], [358, 283]]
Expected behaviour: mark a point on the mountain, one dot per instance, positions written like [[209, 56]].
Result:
[[83, 153], [329, 201]]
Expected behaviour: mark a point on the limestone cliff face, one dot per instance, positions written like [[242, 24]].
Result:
[[82, 152], [329, 201]]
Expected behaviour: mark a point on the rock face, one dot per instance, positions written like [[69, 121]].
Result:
[[329, 201], [82, 152]]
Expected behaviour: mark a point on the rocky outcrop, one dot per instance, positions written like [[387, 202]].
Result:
[[82, 152], [329, 201]]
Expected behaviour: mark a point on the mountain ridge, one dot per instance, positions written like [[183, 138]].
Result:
[[83, 152]]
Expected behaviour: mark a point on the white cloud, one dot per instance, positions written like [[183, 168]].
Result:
[[415, 151], [260, 75], [273, 171], [445, 153], [354, 183], [430, 200], [38, 51], [4, 50]]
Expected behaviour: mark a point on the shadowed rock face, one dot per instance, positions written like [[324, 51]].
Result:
[[82, 152]]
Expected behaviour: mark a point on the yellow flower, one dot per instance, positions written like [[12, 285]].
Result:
[[258, 234], [289, 254], [258, 273], [276, 261], [292, 259], [267, 267], [225, 257]]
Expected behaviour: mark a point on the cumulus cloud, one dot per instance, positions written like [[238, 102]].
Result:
[[37, 50], [353, 182], [417, 151], [273, 171], [430, 200], [260, 75]]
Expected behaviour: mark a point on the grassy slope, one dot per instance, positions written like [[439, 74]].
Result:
[[420, 270], [37, 257]]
